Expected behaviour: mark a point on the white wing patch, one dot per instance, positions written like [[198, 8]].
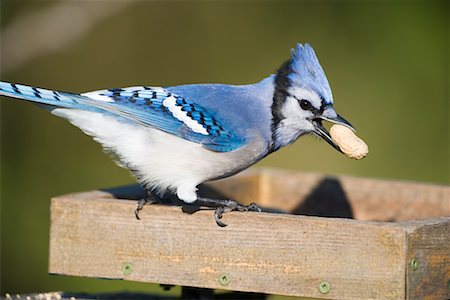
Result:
[[140, 91], [97, 95], [104, 95], [171, 104], [140, 87]]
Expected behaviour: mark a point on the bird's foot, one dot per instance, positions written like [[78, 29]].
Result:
[[142, 202], [224, 206], [220, 210]]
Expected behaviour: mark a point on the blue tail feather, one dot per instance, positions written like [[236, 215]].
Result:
[[39, 95]]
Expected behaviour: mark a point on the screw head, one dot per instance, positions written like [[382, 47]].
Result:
[[127, 268], [414, 263], [324, 287], [224, 279]]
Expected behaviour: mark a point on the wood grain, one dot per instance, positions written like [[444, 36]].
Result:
[[95, 234], [260, 252], [429, 244]]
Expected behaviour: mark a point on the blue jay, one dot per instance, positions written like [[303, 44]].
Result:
[[174, 138]]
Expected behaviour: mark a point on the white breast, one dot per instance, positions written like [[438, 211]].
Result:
[[162, 160]]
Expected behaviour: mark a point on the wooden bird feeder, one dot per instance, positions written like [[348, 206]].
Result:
[[333, 237]]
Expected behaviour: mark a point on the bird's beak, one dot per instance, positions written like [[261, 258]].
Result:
[[329, 115]]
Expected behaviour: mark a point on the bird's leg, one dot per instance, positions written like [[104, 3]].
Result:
[[150, 199], [223, 206]]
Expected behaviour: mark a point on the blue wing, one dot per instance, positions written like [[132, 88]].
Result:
[[149, 106], [169, 112]]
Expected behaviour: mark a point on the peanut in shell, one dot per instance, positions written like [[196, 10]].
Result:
[[348, 142]]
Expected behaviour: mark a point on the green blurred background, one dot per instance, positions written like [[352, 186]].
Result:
[[387, 63]]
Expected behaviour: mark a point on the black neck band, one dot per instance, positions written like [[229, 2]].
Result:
[[282, 83]]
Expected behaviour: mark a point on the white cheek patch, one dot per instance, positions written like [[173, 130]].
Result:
[[292, 111], [171, 104]]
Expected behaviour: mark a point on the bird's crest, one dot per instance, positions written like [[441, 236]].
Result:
[[308, 73]]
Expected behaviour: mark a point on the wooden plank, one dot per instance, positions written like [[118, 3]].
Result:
[[85, 296], [95, 236], [339, 196], [428, 259], [186, 293]]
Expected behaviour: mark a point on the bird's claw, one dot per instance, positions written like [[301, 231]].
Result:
[[140, 205], [218, 215], [233, 206]]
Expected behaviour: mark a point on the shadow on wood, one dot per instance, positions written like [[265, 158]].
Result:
[[95, 234], [327, 199]]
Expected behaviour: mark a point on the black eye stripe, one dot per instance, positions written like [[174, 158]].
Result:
[[306, 105]]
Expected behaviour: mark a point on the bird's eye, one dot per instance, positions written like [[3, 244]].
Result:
[[305, 104]]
